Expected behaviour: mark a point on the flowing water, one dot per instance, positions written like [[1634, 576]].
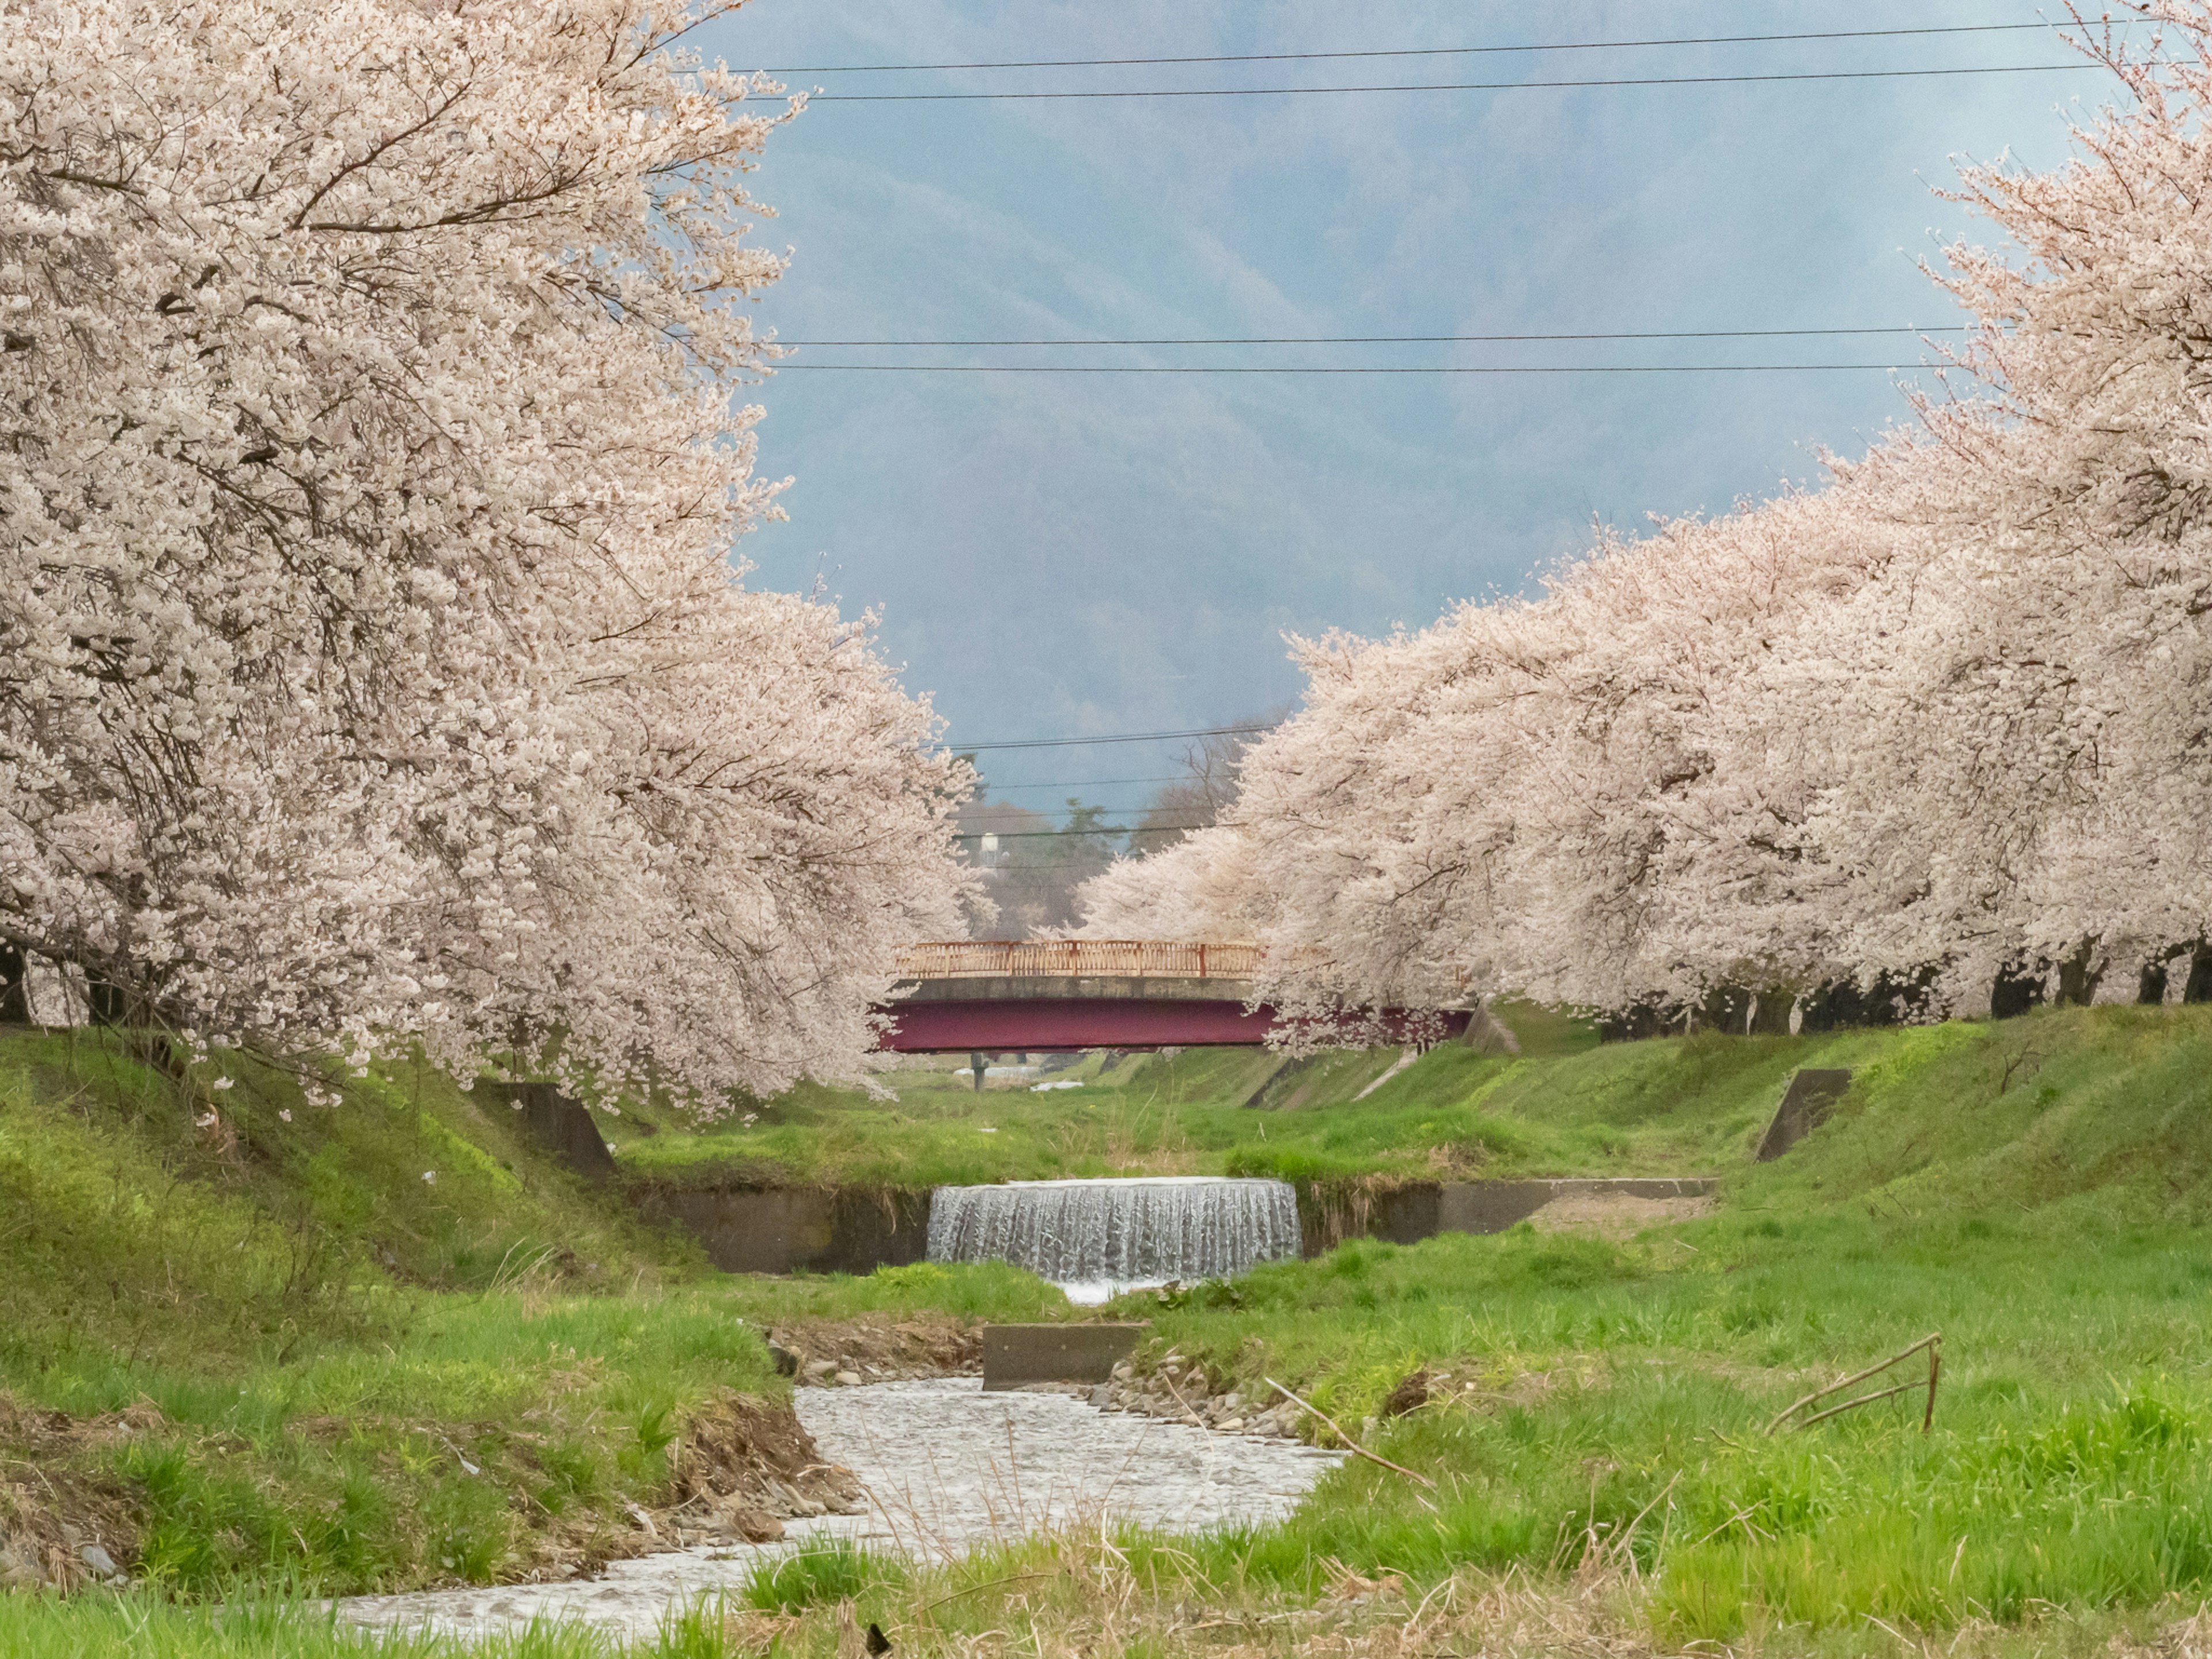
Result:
[[1094, 1238], [946, 1468]]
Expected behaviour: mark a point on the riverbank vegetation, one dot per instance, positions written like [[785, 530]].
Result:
[[1564, 1105], [1596, 1410], [449, 1397], [385, 1343]]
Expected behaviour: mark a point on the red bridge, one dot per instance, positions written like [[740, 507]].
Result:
[[994, 995]]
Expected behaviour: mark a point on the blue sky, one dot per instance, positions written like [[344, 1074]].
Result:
[[1058, 555]]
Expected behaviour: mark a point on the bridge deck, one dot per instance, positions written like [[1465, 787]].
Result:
[[1000, 994]]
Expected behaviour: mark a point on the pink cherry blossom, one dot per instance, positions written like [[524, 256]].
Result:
[[374, 667]]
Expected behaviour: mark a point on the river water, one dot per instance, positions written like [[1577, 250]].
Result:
[[946, 1468]]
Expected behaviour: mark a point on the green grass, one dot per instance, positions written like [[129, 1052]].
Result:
[[329, 1341], [822, 1577], [1566, 1106], [141, 1626], [287, 1356], [2046, 1216]]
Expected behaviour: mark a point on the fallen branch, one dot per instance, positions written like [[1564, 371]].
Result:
[[1863, 1400], [1933, 1343], [1395, 1468]]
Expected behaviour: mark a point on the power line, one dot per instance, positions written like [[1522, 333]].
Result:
[[1050, 864], [1116, 737], [1420, 51], [1093, 783], [1105, 831], [1416, 339], [1447, 86], [1433, 368]]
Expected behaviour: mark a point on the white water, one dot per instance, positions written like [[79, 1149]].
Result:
[[947, 1469], [1093, 1238]]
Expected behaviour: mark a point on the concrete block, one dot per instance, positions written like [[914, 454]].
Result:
[[785, 1230], [562, 1126], [1805, 1106], [1015, 1354], [1490, 1207]]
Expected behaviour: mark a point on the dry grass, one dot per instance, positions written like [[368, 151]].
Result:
[[1085, 1599]]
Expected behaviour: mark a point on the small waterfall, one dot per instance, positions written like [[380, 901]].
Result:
[[1093, 1238]]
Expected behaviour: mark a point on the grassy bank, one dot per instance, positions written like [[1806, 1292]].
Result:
[[1565, 1106], [2034, 1190], [373, 1345], [1595, 1422]]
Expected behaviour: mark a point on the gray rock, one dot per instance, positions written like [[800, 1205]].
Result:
[[98, 1560]]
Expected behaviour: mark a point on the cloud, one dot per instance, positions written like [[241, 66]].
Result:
[[1063, 553]]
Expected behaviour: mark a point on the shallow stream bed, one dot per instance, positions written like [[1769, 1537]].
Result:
[[946, 1468]]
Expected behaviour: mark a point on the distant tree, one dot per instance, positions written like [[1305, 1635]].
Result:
[[1033, 865], [1202, 795]]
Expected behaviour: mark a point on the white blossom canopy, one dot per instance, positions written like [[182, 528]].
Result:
[[1949, 714], [373, 666]]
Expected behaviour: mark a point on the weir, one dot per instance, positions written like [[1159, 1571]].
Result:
[[1095, 1238]]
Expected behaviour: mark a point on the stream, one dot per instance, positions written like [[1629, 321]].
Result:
[[946, 1468]]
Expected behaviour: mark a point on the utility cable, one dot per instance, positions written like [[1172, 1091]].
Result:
[[1415, 339], [1116, 737], [1105, 832], [1090, 783], [1422, 52], [1220, 368], [1447, 86]]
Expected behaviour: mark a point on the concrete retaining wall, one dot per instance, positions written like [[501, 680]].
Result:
[[1409, 1214], [784, 1229]]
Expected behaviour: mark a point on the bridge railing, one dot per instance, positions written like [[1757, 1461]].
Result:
[[1078, 957]]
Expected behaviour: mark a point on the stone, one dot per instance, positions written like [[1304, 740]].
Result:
[[98, 1560], [818, 1369], [19, 1565], [786, 1362], [1232, 1425], [849, 1379], [754, 1526], [1103, 1396]]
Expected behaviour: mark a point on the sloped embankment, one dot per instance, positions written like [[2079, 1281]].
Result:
[[375, 1345]]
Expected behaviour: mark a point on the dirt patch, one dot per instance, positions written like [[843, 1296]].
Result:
[[1411, 1394], [1615, 1215], [62, 1524], [747, 1465], [880, 1348], [1473, 1386]]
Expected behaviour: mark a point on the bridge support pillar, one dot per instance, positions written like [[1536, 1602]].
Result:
[[975, 1064]]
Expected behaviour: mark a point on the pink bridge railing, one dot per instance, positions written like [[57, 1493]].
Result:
[[1077, 958]]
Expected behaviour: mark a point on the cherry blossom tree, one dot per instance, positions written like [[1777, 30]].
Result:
[[1943, 718], [374, 665]]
